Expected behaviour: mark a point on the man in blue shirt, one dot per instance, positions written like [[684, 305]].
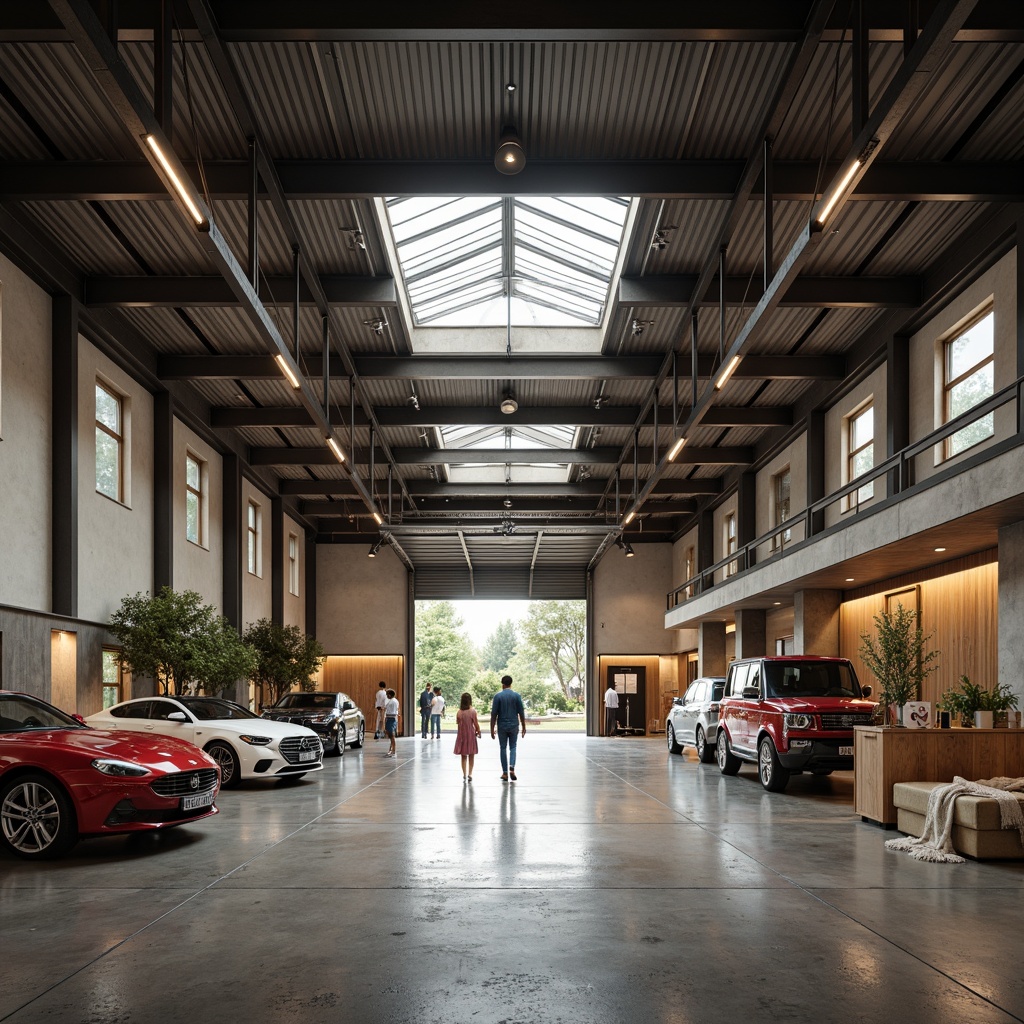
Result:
[[507, 716]]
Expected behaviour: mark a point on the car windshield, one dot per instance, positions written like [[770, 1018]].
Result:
[[810, 679], [207, 710], [306, 700], [22, 714]]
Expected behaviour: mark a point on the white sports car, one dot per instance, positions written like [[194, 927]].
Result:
[[244, 745]]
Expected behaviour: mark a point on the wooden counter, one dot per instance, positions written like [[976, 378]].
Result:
[[885, 756]]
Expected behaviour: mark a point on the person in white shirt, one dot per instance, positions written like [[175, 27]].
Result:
[[436, 711], [391, 720], [611, 711], [379, 701]]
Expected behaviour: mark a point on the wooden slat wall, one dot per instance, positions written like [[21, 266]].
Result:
[[360, 675], [959, 606]]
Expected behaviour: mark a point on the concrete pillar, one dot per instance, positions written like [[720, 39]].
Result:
[[1011, 606], [816, 622], [711, 649], [751, 632]]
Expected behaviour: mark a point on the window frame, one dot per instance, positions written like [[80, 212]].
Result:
[[946, 347], [119, 437], [199, 493], [866, 492], [293, 564], [117, 685], [730, 543], [780, 540], [254, 538]]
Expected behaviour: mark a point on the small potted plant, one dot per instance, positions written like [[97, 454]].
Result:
[[970, 702], [897, 659]]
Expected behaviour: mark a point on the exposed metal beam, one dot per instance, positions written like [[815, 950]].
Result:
[[297, 22], [339, 290], [672, 290], [428, 490], [691, 455], [904, 181], [433, 416]]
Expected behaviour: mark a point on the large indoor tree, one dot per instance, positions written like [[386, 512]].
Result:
[[180, 642], [285, 658]]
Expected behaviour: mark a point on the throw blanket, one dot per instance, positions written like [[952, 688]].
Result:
[[936, 843]]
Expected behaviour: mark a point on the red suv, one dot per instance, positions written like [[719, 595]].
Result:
[[790, 715]]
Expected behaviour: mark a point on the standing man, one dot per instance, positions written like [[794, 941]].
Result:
[[611, 710], [425, 698], [507, 715], [436, 711], [379, 701]]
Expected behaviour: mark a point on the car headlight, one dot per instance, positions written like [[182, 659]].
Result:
[[799, 721], [256, 741], [119, 769]]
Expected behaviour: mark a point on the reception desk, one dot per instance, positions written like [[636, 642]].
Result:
[[883, 757]]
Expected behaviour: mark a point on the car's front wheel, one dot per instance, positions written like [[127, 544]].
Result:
[[728, 762], [673, 746], [704, 752], [227, 761], [774, 777], [37, 817], [360, 735]]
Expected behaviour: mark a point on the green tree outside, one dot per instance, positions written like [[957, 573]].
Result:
[[499, 647], [444, 655], [555, 633]]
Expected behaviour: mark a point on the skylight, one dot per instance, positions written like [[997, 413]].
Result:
[[487, 261], [490, 441]]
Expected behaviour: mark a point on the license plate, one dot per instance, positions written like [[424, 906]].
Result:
[[307, 755], [194, 801], [846, 751]]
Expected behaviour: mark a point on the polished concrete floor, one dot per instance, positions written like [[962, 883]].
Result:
[[612, 883]]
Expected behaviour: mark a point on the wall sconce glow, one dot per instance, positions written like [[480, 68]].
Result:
[[676, 449], [287, 371], [178, 184], [724, 376], [837, 193], [378, 519], [336, 449], [630, 516]]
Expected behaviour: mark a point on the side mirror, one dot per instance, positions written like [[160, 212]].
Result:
[[79, 719], [751, 692], [177, 716], [865, 691], [677, 701], [347, 706]]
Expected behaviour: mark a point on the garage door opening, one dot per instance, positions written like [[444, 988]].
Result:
[[466, 646]]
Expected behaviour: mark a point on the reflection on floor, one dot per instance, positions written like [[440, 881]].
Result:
[[613, 883]]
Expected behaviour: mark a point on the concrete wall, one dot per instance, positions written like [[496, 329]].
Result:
[[794, 456], [25, 369], [115, 540], [629, 601], [198, 567], [998, 287], [361, 603], [257, 589]]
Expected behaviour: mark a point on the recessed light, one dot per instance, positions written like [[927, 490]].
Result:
[[777, 603], [940, 549], [849, 579]]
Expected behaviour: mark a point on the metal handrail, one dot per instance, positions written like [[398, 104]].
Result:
[[898, 463]]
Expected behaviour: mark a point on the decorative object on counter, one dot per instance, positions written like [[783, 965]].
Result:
[[970, 699], [897, 659], [917, 714]]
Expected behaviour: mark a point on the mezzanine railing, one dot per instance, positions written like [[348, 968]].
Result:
[[898, 472]]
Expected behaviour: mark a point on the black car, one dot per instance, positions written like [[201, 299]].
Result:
[[333, 716]]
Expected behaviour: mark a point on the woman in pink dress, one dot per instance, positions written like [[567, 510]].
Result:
[[468, 726]]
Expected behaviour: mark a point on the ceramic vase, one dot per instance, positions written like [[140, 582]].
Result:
[[983, 719]]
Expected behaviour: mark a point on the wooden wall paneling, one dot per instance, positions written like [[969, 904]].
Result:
[[360, 675], [959, 608]]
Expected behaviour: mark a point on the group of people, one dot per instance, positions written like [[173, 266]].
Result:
[[508, 721]]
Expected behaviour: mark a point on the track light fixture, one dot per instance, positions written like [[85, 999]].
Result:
[[639, 326], [510, 157], [372, 553], [508, 404], [414, 401], [628, 549], [377, 325]]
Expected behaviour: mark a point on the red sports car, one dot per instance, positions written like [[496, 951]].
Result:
[[61, 780]]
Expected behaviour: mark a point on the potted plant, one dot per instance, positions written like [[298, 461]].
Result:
[[897, 659], [970, 700]]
